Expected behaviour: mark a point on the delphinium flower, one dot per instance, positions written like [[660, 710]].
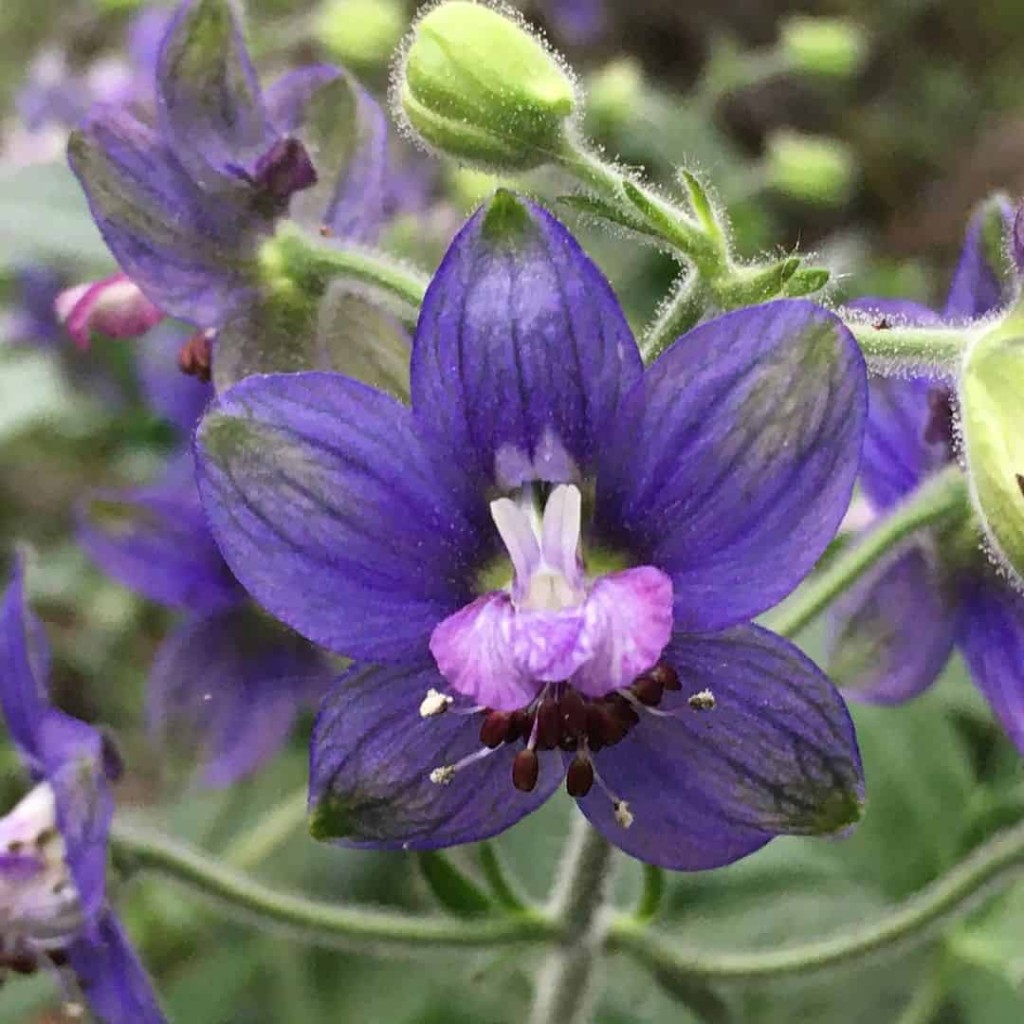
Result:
[[546, 567], [579, 22], [234, 677], [895, 633], [186, 203], [53, 844]]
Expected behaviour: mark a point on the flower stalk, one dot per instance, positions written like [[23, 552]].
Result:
[[932, 350], [564, 987]]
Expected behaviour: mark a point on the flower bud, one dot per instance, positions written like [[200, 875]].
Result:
[[823, 46], [360, 32], [993, 435], [810, 168], [481, 88], [114, 306]]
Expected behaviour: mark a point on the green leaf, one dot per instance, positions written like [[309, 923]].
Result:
[[45, 217], [455, 891], [600, 209]]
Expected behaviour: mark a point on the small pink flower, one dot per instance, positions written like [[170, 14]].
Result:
[[114, 306]]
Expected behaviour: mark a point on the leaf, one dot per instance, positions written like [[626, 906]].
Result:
[[455, 891], [45, 216]]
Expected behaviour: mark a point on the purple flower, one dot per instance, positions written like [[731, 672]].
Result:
[[185, 204], [545, 568], [895, 632], [33, 320], [53, 844], [233, 677], [580, 22]]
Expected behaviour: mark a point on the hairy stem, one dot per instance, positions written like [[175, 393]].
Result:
[[898, 351], [939, 498], [995, 863], [313, 920], [565, 982]]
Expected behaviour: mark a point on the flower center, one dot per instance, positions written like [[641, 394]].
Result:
[[40, 910]]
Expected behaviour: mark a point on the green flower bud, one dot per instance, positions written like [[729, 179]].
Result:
[[992, 421], [823, 46], [810, 168], [360, 32], [479, 87]]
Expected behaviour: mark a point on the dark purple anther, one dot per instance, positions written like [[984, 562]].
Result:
[[525, 769], [495, 727], [579, 777], [282, 171]]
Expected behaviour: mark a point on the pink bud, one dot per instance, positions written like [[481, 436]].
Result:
[[114, 307]]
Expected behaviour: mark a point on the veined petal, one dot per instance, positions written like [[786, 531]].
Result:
[[235, 681], [192, 254], [209, 104], [74, 765], [335, 515], [113, 981], [777, 754], [522, 352], [371, 760], [979, 281], [894, 632], [156, 541], [734, 462], [898, 452], [992, 641], [24, 670], [346, 133]]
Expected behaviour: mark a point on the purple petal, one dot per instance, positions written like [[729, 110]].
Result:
[[24, 670], [894, 632], [474, 652], [777, 754], [992, 641], [146, 32], [978, 284], [371, 760], [175, 396], [113, 981], [522, 351], [335, 516], [156, 541], [73, 762], [346, 133], [192, 254], [209, 104], [735, 463], [579, 22], [234, 683]]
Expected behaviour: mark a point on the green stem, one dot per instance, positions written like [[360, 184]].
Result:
[[313, 920], [897, 351], [941, 497], [494, 874], [677, 227], [312, 265], [926, 1001], [255, 845], [652, 894], [995, 863], [565, 983], [680, 311]]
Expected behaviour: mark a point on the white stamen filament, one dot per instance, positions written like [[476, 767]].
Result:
[[443, 776]]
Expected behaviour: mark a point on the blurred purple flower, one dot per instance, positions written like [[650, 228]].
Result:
[[53, 844], [184, 205], [578, 22], [546, 567], [55, 94], [33, 317], [895, 632], [235, 678]]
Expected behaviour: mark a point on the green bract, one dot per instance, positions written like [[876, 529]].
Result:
[[479, 87], [993, 435]]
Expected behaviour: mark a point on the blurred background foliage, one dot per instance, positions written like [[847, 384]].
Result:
[[871, 157]]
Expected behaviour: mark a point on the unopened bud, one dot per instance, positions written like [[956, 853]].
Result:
[[114, 306], [823, 46], [479, 87], [810, 168], [993, 435]]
